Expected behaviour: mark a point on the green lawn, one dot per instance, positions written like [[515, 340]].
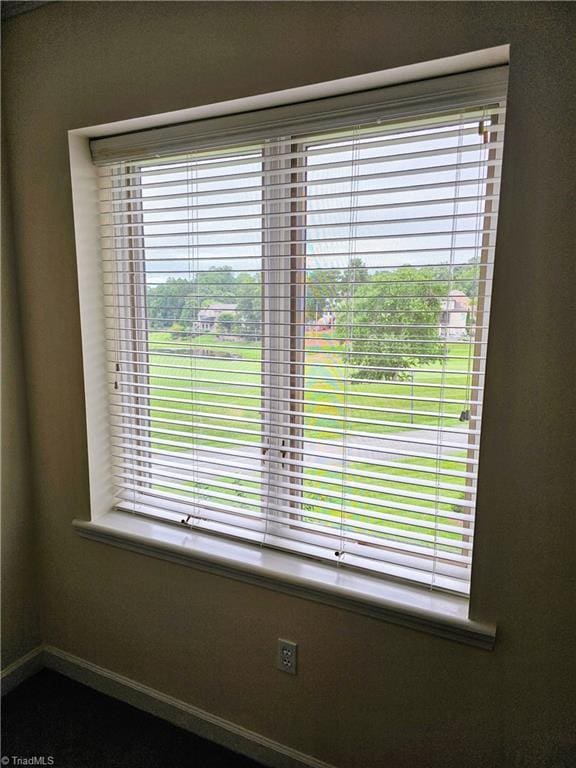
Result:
[[225, 415], [327, 396]]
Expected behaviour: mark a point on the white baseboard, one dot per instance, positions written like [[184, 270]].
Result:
[[179, 713], [22, 668]]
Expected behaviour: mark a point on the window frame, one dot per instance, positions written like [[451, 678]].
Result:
[[442, 614]]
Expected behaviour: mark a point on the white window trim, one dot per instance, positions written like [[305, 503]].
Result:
[[398, 603], [412, 606]]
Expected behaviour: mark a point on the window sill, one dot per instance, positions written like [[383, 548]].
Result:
[[439, 614]]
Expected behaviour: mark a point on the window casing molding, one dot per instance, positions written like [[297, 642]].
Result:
[[83, 181]]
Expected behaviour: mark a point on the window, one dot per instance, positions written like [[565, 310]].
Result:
[[296, 309]]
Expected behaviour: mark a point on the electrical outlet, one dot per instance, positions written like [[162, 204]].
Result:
[[287, 656]]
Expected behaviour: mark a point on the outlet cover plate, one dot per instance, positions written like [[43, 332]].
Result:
[[287, 656]]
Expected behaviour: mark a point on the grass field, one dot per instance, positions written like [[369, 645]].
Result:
[[218, 403], [326, 396]]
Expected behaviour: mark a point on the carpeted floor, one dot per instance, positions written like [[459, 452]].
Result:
[[52, 716]]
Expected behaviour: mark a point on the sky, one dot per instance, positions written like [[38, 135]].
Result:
[[353, 209]]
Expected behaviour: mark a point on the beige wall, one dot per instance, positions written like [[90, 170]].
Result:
[[368, 694], [20, 630]]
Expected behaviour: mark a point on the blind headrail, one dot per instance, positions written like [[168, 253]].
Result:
[[462, 91]]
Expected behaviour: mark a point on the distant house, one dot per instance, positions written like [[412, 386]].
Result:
[[324, 323], [454, 317], [209, 316]]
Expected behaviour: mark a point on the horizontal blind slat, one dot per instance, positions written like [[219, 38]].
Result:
[[201, 176], [348, 470], [264, 408], [198, 418], [140, 434], [124, 215], [127, 204], [442, 133], [413, 542], [164, 459], [300, 495]]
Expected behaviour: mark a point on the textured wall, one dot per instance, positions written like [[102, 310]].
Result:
[[368, 694], [20, 630]]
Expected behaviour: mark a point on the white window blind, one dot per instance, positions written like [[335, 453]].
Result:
[[297, 306]]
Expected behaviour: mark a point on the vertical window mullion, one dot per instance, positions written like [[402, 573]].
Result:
[[297, 319], [278, 310]]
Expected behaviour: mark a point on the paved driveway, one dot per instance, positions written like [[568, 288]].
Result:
[[372, 448]]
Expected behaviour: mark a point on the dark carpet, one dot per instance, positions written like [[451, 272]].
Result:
[[54, 717]]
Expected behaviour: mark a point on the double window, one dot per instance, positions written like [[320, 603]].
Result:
[[296, 318]]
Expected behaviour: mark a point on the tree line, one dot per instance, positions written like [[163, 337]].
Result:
[[390, 316]]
